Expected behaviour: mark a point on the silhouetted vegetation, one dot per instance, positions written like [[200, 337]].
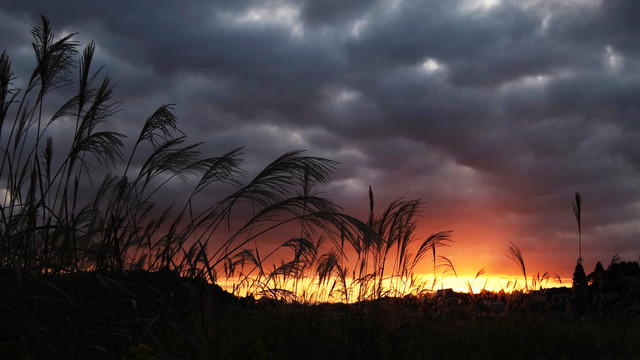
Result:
[[91, 267]]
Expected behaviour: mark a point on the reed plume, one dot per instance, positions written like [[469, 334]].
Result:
[[577, 210], [516, 256]]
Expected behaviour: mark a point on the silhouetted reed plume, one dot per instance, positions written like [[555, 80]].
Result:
[[577, 210], [516, 256]]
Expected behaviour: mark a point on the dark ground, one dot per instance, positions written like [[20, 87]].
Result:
[[144, 315]]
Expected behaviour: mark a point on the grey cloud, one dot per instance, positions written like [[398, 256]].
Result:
[[330, 12]]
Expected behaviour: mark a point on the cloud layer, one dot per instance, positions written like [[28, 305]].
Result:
[[493, 112]]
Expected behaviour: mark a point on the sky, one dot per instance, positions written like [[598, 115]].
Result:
[[493, 112]]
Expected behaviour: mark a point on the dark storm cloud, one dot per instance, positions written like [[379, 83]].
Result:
[[507, 107], [480, 49], [332, 12]]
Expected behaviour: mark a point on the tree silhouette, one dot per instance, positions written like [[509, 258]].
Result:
[[597, 276], [579, 277], [579, 287]]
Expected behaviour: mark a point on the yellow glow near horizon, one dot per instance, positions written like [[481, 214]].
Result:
[[308, 290], [497, 282]]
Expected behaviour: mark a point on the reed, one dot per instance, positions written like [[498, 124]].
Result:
[[516, 256], [89, 204], [49, 223], [577, 211]]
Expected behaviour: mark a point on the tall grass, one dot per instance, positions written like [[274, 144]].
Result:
[[93, 264], [516, 256], [388, 260], [90, 203], [577, 210], [58, 217]]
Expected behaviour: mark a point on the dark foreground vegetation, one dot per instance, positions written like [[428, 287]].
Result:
[[93, 266], [144, 315]]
